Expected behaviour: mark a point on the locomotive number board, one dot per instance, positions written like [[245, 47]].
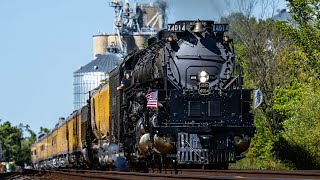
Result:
[[220, 27], [204, 88], [176, 27], [181, 26]]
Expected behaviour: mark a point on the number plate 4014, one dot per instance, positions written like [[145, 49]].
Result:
[[176, 27], [204, 89]]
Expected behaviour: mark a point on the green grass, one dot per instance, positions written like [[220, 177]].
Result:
[[263, 164]]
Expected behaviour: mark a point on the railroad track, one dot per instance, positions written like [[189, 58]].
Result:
[[259, 174], [169, 174]]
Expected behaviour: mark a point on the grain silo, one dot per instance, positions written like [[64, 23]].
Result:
[[132, 29], [91, 76], [100, 44]]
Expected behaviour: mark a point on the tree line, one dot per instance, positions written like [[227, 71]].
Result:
[[283, 59], [16, 147]]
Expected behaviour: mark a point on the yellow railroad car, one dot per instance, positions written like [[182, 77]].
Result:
[[70, 133], [54, 143], [37, 147], [73, 125], [37, 153], [62, 145], [100, 111], [42, 149], [33, 154], [83, 124], [49, 146], [77, 130]]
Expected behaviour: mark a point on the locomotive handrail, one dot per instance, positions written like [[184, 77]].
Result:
[[193, 149], [234, 79]]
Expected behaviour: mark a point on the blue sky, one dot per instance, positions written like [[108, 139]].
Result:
[[43, 42]]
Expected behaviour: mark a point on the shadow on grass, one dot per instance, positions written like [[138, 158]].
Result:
[[295, 155]]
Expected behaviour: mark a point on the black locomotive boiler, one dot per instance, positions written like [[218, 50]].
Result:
[[182, 101]]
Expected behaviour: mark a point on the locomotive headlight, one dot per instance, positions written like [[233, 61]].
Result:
[[203, 76], [203, 73], [203, 79]]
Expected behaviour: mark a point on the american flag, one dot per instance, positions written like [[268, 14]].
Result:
[[152, 99]]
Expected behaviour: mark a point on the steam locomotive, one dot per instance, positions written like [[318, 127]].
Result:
[[181, 103]]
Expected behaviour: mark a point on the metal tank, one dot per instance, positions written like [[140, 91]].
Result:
[[91, 76], [109, 43]]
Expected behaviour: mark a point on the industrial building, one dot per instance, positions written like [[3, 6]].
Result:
[[132, 27], [91, 75]]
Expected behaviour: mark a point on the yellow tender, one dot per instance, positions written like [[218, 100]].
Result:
[[100, 111]]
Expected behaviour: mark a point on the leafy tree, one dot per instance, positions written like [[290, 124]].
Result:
[[298, 101], [26, 144], [43, 131], [283, 59], [260, 47], [286, 73], [11, 139], [305, 31], [15, 146], [300, 139]]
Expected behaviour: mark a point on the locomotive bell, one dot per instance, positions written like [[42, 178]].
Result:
[[198, 26]]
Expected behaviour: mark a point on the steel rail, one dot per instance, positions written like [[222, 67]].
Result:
[[182, 174]]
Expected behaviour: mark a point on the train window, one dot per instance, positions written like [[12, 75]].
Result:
[[54, 140], [42, 147], [35, 152]]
